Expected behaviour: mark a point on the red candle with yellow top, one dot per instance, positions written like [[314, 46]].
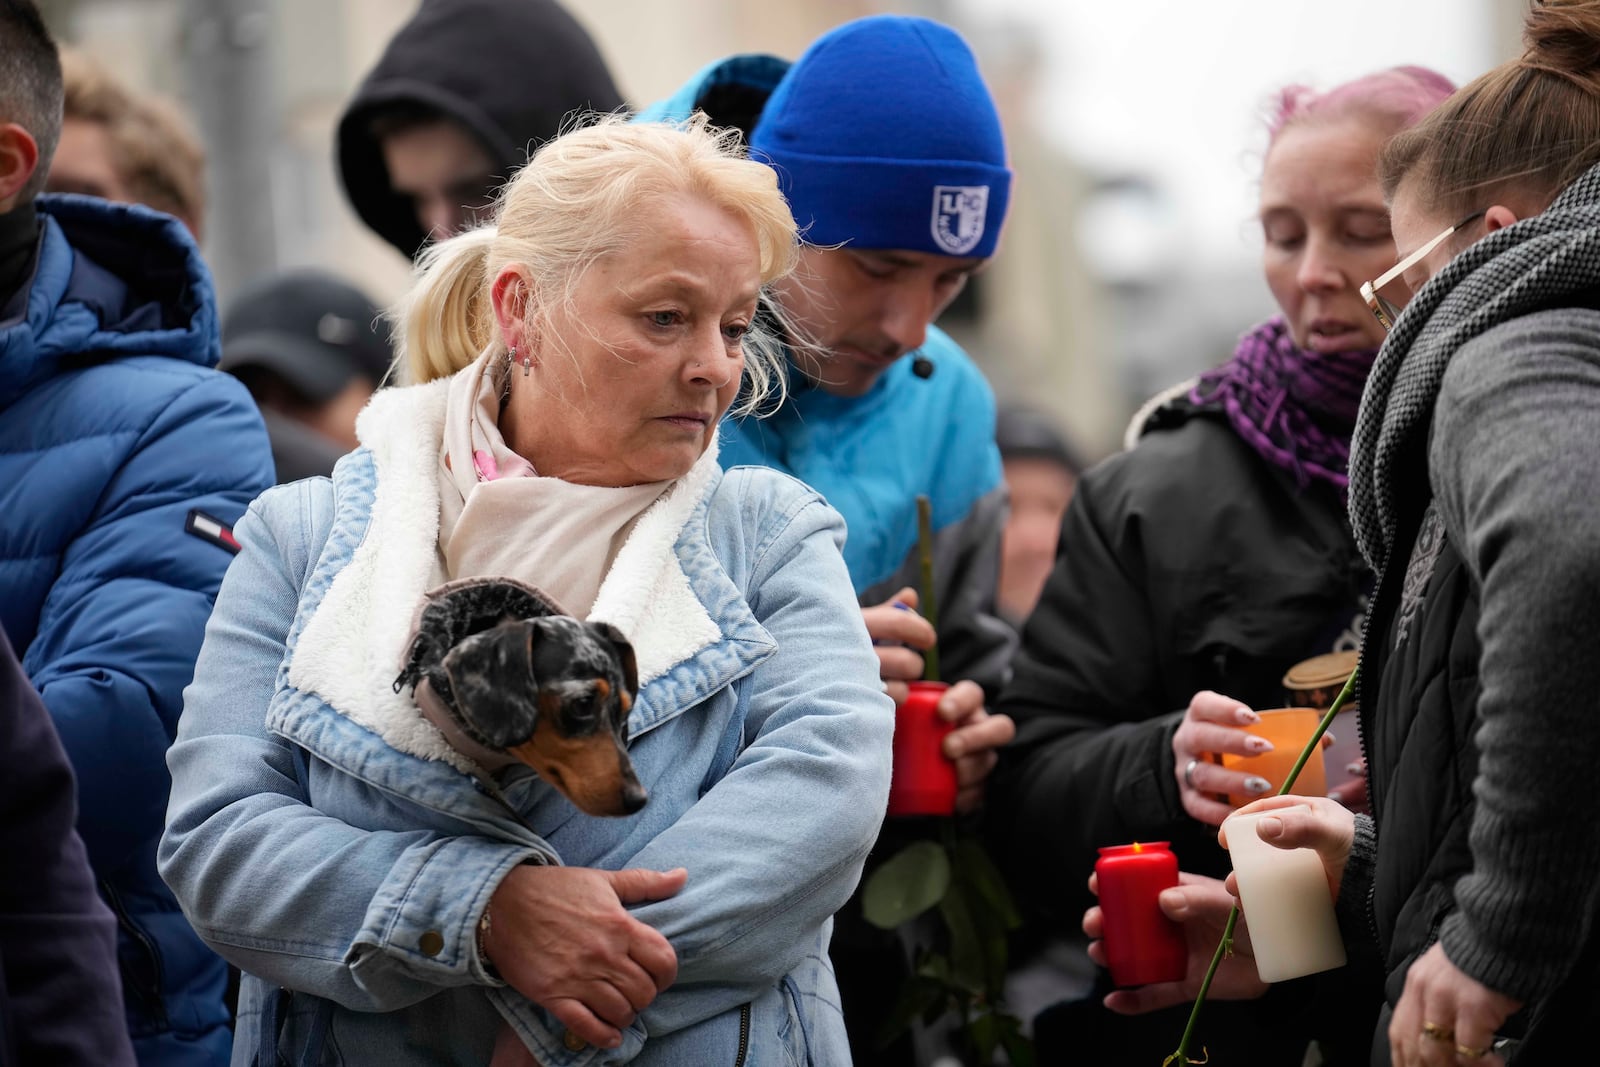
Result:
[[1141, 944]]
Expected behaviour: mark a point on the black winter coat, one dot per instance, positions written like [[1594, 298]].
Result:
[[1418, 731]]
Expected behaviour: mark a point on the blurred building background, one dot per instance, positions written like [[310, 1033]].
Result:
[[1106, 288]]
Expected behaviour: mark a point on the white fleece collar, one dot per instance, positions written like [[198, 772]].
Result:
[[353, 645]]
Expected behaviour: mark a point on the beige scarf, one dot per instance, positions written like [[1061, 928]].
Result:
[[498, 516]]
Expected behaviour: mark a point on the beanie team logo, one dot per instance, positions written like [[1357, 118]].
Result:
[[958, 216]]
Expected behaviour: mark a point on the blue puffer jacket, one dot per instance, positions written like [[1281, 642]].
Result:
[[114, 431]]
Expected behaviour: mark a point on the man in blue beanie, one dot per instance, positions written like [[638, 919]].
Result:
[[889, 148]]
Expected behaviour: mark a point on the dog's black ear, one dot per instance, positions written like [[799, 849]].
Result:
[[625, 655], [491, 679]]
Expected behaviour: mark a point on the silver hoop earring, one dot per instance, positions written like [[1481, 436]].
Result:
[[527, 359]]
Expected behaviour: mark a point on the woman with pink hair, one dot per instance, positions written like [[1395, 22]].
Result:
[[1209, 557]]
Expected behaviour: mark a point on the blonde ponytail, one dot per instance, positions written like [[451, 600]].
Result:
[[444, 322], [577, 200]]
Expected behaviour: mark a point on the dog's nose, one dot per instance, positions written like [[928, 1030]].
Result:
[[633, 797]]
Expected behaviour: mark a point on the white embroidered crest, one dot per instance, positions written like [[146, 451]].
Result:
[[958, 216]]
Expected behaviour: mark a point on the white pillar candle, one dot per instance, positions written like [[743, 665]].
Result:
[[1283, 894]]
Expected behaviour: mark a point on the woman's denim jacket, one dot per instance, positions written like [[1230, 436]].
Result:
[[322, 837]]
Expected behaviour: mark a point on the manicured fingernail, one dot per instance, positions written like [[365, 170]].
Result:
[[1256, 784], [1246, 716], [1259, 744], [1352, 768], [1328, 738]]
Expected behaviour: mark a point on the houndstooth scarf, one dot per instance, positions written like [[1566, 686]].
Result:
[[1532, 264]]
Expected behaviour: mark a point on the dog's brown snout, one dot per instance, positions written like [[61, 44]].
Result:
[[594, 772]]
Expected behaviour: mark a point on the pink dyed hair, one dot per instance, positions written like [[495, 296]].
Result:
[[1400, 95]]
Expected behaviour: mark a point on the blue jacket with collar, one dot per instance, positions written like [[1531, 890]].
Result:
[[327, 840], [871, 456], [114, 429]]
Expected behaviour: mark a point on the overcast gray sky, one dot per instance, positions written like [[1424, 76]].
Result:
[[1177, 87]]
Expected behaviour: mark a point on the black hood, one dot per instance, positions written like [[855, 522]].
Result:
[[509, 71]]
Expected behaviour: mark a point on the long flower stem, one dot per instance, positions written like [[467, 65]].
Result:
[[929, 605], [1225, 946]]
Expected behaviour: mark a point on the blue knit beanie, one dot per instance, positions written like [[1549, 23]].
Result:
[[884, 136]]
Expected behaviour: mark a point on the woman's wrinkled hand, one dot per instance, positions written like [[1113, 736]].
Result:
[[973, 742], [562, 937], [1201, 905]]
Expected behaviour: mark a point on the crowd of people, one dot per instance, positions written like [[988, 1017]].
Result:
[[652, 436]]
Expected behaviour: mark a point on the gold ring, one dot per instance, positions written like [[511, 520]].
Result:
[[1467, 1052], [1435, 1032]]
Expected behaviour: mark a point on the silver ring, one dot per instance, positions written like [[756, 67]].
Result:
[[1188, 773]]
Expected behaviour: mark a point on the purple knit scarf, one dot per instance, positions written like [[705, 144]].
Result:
[[1295, 407]]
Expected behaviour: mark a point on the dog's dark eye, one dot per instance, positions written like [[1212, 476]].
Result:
[[583, 708], [586, 707]]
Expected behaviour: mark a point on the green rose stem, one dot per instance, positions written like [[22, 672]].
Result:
[[930, 606], [1225, 946]]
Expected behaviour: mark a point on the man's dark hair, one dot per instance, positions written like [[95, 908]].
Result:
[[30, 83]]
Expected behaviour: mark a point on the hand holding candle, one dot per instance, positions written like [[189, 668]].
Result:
[[1284, 896], [1289, 730], [1141, 944], [924, 779]]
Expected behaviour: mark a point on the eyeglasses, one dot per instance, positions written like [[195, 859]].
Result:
[[1386, 295]]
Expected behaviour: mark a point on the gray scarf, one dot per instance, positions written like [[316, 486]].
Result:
[[1532, 264]]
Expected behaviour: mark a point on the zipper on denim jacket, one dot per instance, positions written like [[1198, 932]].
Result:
[[744, 1036]]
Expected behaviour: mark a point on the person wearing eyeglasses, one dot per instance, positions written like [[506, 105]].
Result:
[[1208, 558], [1473, 493]]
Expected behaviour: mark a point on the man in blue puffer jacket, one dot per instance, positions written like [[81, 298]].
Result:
[[124, 458]]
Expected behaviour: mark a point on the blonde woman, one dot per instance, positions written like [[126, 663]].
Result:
[[386, 902]]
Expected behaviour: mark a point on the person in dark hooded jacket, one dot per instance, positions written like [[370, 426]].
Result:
[[124, 459], [459, 99]]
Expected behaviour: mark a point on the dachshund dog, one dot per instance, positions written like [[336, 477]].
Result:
[[521, 680]]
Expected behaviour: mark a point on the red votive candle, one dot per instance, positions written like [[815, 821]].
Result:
[[1141, 944], [923, 781]]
